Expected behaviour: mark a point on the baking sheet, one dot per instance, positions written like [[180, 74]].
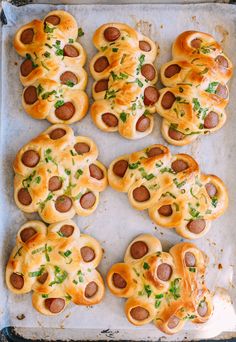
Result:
[[115, 223]]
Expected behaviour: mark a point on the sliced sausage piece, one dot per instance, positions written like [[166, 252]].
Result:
[[141, 194], [151, 95], [70, 51], [202, 309], [139, 314], [57, 133], [148, 71], [67, 230], [96, 172], [111, 33], [110, 119], [81, 148], [63, 204], [55, 305], [190, 259], [222, 91], [175, 135], [88, 200], [167, 100], [120, 168], [172, 70], [164, 271], [26, 67], [173, 322], [165, 210], [68, 76], [119, 281], [53, 19], [222, 61], [66, 111], [196, 43], [27, 36], [30, 95], [196, 226], [55, 183], [211, 189], [27, 233], [101, 64], [144, 46], [17, 281], [30, 158], [143, 123], [43, 278], [155, 151], [101, 85], [138, 249], [91, 289], [24, 196], [211, 120], [179, 165], [87, 253]]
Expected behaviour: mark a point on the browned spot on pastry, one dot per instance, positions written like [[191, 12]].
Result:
[[222, 91], [88, 200], [55, 183], [120, 168], [101, 85], [30, 158], [196, 43], [196, 226], [222, 61], [30, 95], [67, 230], [151, 95], [87, 253], [173, 322], [148, 71], [110, 119], [26, 67], [43, 278], [63, 204], [27, 36], [202, 309], [24, 196], [27, 233], [164, 271], [175, 135], [143, 123], [144, 46], [179, 165], [119, 281], [211, 120], [53, 19], [167, 100], [190, 259], [57, 133], [165, 210], [111, 34], [154, 151], [172, 70], [211, 189], [138, 249], [70, 51], [68, 76], [66, 111], [81, 148], [91, 289], [96, 172], [101, 64], [55, 305], [141, 194], [139, 313], [17, 281]]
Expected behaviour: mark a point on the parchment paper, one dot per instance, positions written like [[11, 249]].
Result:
[[115, 223]]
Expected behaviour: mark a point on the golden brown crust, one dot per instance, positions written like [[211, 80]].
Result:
[[49, 251], [166, 302], [47, 61], [123, 95], [197, 78], [188, 206], [73, 171]]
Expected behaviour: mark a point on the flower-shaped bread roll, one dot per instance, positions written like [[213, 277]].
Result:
[[167, 288], [172, 188], [58, 175], [58, 264], [196, 93], [52, 72], [124, 74]]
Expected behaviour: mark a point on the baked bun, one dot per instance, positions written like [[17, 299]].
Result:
[[196, 92], [172, 188], [124, 74], [58, 264], [167, 288], [58, 175], [52, 71]]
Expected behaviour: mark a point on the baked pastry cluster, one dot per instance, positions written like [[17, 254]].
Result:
[[167, 288], [52, 71], [58, 175], [58, 264], [196, 92], [171, 187], [124, 74]]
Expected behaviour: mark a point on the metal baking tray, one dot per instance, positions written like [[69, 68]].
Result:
[[115, 223]]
